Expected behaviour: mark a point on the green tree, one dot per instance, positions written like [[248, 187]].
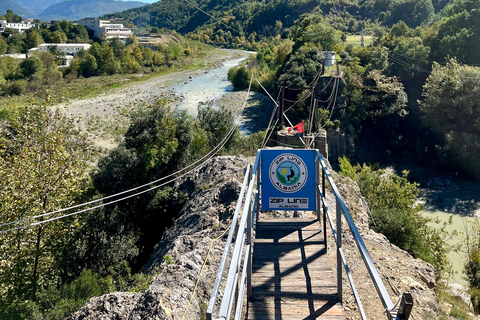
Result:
[[88, 65], [239, 77], [450, 108], [3, 46], [58, 37], [414, 55], [104, 56], [44, 163], [34, 38], [30, 66], [391, 199]]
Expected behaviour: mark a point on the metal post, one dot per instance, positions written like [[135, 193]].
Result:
[[317, 182], [259, 183], [249, 255], [280, 110], [339, 246], [324, 212]]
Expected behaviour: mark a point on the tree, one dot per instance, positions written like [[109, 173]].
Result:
[[458, 35], [3, 46], [239, 77], [88, 65], [44, 163], [30, 66], [312, 28], [414, 53], [450, 110], [34, 38], [60, 56], [58, 37]]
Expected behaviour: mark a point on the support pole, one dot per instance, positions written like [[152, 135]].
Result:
[[324, 212], [282, 107], [339, 246]]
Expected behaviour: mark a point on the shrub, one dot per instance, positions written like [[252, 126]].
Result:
[[15, 87], [392, 202]]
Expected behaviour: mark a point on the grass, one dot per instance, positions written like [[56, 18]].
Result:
[[356, 40], [460, 310]]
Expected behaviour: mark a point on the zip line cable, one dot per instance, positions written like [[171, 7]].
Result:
[[429, 61], [215, 150], [113, 195], [200, 9]]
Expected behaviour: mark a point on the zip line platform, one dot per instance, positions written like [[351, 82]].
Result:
[[292, 277], [280, 267]]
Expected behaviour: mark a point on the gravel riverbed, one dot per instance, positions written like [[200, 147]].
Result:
[[106, 116]]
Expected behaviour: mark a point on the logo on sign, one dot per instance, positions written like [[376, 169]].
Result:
[[288, 173]]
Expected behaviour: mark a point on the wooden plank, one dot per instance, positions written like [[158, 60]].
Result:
[[292, 277]]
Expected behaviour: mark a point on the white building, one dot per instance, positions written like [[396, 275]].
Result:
[[105, 28], [19, 26], [67, 48]]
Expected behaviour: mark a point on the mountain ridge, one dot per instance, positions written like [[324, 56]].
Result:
[[79, 9], [16, 8]]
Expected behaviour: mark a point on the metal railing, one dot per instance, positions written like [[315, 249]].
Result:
[[240, 268], [406, 303]]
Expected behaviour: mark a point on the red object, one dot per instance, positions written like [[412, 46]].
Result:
[[298, 128]]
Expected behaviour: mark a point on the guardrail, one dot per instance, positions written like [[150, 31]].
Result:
[[240, 269], [406, 303], [235, 291]]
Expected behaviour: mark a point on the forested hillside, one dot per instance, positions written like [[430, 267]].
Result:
[[79, 9]]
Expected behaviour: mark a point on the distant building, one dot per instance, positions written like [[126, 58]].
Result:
[[105, 28], [18, 56], [67, 48], [19, 26]]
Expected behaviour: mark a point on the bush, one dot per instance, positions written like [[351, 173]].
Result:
[[239, 77], [392, 201], [15, 87]]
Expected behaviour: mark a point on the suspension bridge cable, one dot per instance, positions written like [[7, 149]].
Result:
[[335, 88], [210, 154]]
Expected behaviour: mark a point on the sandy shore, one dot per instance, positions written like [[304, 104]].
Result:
[[106, 116]]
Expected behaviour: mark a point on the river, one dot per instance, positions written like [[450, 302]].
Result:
[[209, 86], [459, 223]]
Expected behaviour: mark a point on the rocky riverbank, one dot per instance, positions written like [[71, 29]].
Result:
[[106, 116]]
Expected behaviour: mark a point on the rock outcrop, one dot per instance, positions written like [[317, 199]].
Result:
[[178, 259], [179, 269]]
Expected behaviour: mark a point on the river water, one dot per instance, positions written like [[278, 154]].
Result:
[[459, 223], [207, 87]]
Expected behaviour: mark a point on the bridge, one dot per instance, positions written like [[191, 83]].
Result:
[[279, 268]]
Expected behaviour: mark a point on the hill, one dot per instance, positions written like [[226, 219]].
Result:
[[10, 5], [237, 14], [78, 9], [35, 6]]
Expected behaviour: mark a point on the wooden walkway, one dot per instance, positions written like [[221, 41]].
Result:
[[292, 277]]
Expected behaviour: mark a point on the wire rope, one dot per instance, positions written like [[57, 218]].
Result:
[[226, 25], [209, 155], [201, 271]]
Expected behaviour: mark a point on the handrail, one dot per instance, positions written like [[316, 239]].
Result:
[[238, 281], [233, 291], [372, 270], [231, 233]]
